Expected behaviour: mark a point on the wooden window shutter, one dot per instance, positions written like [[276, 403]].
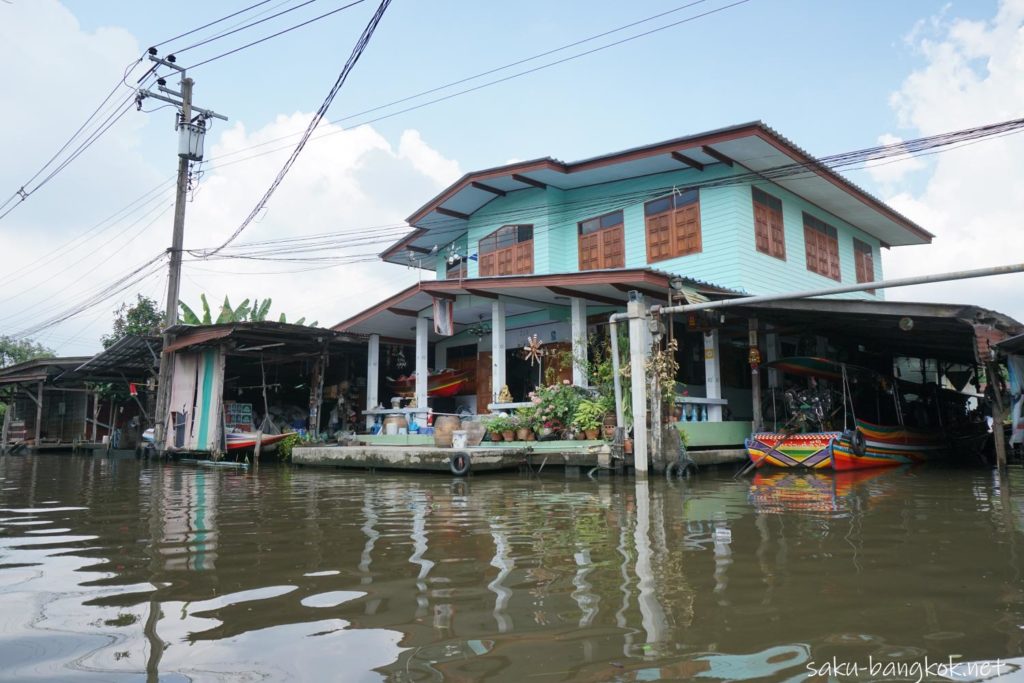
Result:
[[658, 237], [523, 264], [506, 260], [811, 244], [761, 228], [613, 253], [687, 230], [590, 257], [489, 264], [833, 257], [777, 234]]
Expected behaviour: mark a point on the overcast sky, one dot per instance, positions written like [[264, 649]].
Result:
[[832, 77]]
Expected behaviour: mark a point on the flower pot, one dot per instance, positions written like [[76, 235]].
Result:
[[531, 435], [495, 436], [591, 434], [523, 434], [545, 432], [508, 435]]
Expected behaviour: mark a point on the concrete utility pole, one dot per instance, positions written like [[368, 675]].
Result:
[[191, 133]]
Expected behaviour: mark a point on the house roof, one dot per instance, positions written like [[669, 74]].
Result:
[[753, 146], [38, 369], [949, 332], [257, 336], [395, 317], [132, 357]]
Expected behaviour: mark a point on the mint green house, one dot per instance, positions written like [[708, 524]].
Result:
[[547, 249]]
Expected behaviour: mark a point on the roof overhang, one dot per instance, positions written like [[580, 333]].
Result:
[[277, 339], [947, 332], [395, 317], [753, 146], [39, 370], [133, 357]]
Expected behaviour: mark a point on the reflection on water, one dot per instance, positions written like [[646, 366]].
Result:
[[112, 569]]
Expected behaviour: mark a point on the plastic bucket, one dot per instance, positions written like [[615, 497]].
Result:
[[459, 438]]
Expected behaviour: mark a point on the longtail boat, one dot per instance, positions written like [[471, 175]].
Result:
[[443, 384], [822, 432]]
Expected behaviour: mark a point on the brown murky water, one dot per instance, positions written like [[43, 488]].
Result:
[[117, 570]]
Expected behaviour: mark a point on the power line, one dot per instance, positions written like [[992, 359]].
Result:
[[212, 23], [243, 28], [357, 51], [349, 117], [275, 35]]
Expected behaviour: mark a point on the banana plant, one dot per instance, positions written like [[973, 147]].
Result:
[[257, 311]]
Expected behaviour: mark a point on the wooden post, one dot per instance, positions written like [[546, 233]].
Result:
[[755, 377], [39, 415], [7, 426], [998, 411], [316, 392], [95, 413]]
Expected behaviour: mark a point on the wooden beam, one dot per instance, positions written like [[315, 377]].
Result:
[[453, 214], [441, 295], [682, 158], [488, 188], [596, 298], [480, 293], [529, 181], [405, 312], [652, 293], [715, 154]]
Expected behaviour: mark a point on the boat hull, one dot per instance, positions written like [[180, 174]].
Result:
[[247, 441], [884, 446], [439, 385]]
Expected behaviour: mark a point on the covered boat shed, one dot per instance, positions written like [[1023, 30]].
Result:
[[40, 413]]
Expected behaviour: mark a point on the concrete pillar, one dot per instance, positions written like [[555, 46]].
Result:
[[638, 348], [372, 376], [497, 348], [712, 374], [578, 321], [422, 362]]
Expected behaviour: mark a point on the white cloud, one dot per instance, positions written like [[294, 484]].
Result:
[[887, 172], [349, 179], [973, 73]]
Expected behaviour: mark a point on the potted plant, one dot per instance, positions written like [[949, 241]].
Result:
[[588, 417], [508, 428], [501, 428], [528, 420]]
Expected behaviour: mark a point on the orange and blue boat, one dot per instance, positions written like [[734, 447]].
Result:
[[813, 439]]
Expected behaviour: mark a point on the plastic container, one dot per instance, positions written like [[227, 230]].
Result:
[[459, 437]]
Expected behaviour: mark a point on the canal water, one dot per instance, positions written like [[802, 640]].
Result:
[[117, 570]]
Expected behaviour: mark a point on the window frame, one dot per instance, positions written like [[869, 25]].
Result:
[[825, 235], [493, 254], [863, 249], [677, 203], [600, 234], [775, 244]]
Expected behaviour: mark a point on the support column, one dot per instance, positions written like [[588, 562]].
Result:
[[638, 346], [372, 376], [578, 322], [497, 348], [422, 362], [755, 376], [39, 414], [95, 414], [712, 374], [772, 352]]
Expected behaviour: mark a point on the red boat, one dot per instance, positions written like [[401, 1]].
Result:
[[439, 384], [241, 441]]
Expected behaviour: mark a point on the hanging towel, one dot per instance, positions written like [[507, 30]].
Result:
[[444, 324]]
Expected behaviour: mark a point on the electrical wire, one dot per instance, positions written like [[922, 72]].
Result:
[[212, 23], [357, 51], [275, 35], [242, 28]]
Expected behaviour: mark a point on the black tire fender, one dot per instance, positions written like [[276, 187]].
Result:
[[458, 463], [680, 469], [858, 444]]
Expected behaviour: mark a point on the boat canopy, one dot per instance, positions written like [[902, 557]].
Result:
[[821, 368]]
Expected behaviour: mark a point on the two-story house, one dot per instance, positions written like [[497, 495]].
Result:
[[550, 248]]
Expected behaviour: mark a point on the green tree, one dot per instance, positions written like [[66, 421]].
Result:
[[142, 317], [14, 351]]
